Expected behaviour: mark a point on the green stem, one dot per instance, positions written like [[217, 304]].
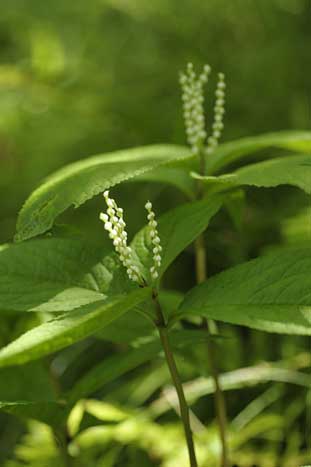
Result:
[[170, 360], [211, 326], [60, 434], [62, 444]]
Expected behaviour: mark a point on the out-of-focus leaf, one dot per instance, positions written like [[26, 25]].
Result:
[[111, 368], [232, 380], [115, 366], [29, 382], [104, 411]]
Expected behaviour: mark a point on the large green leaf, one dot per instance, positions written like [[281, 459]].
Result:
[[69, 328], [58, 274], [291, 170], [177, 176], [76, 183], [233, 151], [48, 275], [271, 293], [177, 229]]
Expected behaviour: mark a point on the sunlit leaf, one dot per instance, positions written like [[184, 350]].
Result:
[[177, 228], [76, 183], [271, 293], [292, 170], [69, 328], [245, 147]]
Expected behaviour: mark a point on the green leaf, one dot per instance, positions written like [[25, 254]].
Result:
[[177, 228], [242, 148], [292, 170], [133, 327], [76, 183], [271, 293], [176, 176], [69, 328], [48, 275], [127, 329], [58, 274], [232, 380], [49, 412]]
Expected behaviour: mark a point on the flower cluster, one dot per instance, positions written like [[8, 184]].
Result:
[[193, 100], [115, 225], [155, 240], [193, 107], [219, 111]]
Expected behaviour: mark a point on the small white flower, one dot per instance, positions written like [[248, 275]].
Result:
[[115, 226]]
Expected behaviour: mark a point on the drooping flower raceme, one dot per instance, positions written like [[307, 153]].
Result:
[[116, 227], [193, 108]]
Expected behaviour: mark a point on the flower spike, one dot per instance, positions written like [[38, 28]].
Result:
[[219, 111], [193, 100], [193, 109], [115, 226], [155, 240]]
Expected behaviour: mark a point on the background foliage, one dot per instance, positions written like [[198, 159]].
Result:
[[80, 78]]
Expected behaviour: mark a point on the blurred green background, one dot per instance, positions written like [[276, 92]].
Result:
[[79, 78]]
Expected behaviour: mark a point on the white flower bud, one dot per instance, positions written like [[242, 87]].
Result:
[[108, 226], [103, 217]]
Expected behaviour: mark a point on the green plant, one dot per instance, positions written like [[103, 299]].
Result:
[[79, 290]]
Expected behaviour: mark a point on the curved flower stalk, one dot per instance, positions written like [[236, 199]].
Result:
[[194, 117], [116, 227]]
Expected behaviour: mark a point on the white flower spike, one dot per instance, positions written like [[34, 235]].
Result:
[[219, 111], [115, 226], [193, 100], [155, 240], [193, 107]]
